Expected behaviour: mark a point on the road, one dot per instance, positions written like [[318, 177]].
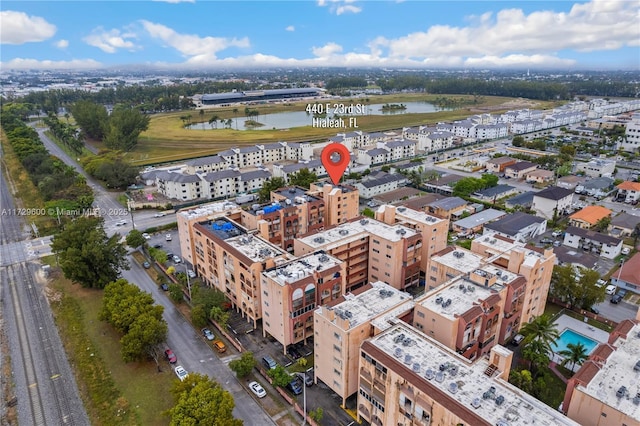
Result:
[[617, 312], [43, 380], [193, 353]]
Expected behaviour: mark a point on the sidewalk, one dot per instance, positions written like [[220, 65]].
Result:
[[552, 367]]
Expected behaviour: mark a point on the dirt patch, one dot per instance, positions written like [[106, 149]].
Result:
[[512, 104]]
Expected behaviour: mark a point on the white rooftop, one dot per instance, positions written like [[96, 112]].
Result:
[[456, 298], [461, 260], [205, 210], [619, 371], [468, 380], [302, 267], [417, 216], [369, 304], [352, 231], [255, 248], [499, 246]]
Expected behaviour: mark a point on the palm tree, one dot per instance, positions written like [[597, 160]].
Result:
[[213, 121], [575, 354], [541, 329]]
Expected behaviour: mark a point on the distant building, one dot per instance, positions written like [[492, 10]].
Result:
[[631, 141], [552, 200], [475, 222], [520, 169], [629, 191], [623, 225], [592, 241], [499, 164], [597, 167], [379, 183], [627, 276], [523, 200], [495, 193]]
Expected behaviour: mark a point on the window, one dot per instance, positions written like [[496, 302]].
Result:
[[420, 314]]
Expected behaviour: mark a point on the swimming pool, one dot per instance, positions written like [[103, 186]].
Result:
[[570, 336]]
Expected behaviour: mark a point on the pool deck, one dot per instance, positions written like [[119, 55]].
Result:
[[566, 322]]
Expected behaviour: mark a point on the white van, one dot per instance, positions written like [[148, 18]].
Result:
[[611, 289]]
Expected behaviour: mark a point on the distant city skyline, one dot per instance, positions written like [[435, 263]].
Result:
[[197, 35]]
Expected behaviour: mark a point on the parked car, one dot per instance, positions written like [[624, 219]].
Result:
[[611, 289], [146, 265], [181, 372], [616, 299], [295, 385], [168, 237], [626, 251], [177, 259], [517, 339], [293, 352], [159, 215], [546, 240], [594, 310], [208, 334], [269, 362], [220, 346], [191, 273], [121, 223], [157, 246], [257, 389], [556, 233], [557, 243], [308, 377], [170, 356], [454, 238], [164, 287], [622, 292], [146, 236]]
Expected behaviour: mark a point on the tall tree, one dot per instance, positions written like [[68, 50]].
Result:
[[124, 127], [91, 117], [86, 255], [304, 178], [270, 185], [576, 354], [244, 365], [541, 329], [201, 401], [124, 302], [144, 338]]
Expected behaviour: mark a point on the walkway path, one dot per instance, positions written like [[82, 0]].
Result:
[[552, 367]]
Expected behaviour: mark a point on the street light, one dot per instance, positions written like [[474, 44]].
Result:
[[129, 203]]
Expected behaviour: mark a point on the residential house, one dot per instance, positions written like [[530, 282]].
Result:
[[627, 276], [629, 191], [520, 169], [623, 225], [443, 184], [598, 187], [495, 193], [598, 167], [522, 201], [540, 176], [475, 222], [447, 207], [517, 226], [595, 242], [499, 164], [570, 181], [589, 216], [551, 201]]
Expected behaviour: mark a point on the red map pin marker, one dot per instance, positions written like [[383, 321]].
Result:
[[335, 158]]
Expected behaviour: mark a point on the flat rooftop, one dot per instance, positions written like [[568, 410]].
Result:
[[498, 247], [461, 260], [463, 295], [465, 383], [302, 267], [255, 248], [363, 307], [352, 231], [209, 209], [619, 371], [417, 216], [295, 194]]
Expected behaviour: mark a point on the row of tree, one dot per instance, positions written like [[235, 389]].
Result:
[[61, 187], [468, 185], [111, 168], [65, 133]]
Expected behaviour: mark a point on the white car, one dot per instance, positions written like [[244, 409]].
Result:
[[177, 259], [626, 251], [611, 289], [159, 215], [121, 223], [146, 236], [181, 372], [191, 273], [556, 233], [168, 237], [257, 389]]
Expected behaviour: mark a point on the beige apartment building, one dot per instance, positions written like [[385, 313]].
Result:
[[291, 213], [230, 259], [186, 218], [533, 263], [342, 202], [372, 251], [605, 389], [434, 230], [340, 328], [409, 379], [291, 291]]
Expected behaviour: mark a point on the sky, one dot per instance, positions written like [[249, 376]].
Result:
[[209, 34]]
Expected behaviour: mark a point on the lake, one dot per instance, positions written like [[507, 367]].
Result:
[[286, 120]]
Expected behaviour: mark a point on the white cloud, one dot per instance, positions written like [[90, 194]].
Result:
[[327, 50], [340, 6], [597, 25], [197, 49], [24, 63], [110, 41], [20, 28], [519, 61], [61, 44], [176, 1], [290, 28]]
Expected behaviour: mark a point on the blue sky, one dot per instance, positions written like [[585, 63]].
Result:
[[600, 34]]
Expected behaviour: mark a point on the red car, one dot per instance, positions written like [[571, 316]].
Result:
[[170, 356]]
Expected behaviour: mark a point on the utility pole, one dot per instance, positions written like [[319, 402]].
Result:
[[129, 203]]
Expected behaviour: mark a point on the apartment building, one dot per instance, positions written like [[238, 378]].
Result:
[[286, 170], [407, 378], [291, 291], [534, 264], [372, 251], [230, 259], [631, 142], [342, 202], [186, 218], [291, 213], [434, 230], [552, 200], [341, 326], [605, 389]]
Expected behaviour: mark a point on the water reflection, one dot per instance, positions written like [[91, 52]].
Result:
[[286, 120]]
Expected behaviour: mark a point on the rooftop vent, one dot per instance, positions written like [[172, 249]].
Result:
[[453, 370], [397, 352], [443, 367], [439, 377], [637, 366], [493, 241], [447, 303], [401, 231], [438, 300], [416, 367], [407, 342], [363, 221], [343, 232], [621, 392], [407, 359], [453, 387], [318, 240], [429, 374], [323, 258], [502, 422], [476, 403], [401, 209], [636, 399], [399, 338], [500, 400]]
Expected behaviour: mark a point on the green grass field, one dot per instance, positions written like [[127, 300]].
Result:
[[167, 140]]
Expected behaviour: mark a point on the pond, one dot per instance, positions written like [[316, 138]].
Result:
[[286, 120]]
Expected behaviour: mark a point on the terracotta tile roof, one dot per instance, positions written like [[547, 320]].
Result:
[[630, 270], [591, 214], [629, 186], [587, 372]]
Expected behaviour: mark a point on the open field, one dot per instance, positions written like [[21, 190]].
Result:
[[167, 140], [114, 391]]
